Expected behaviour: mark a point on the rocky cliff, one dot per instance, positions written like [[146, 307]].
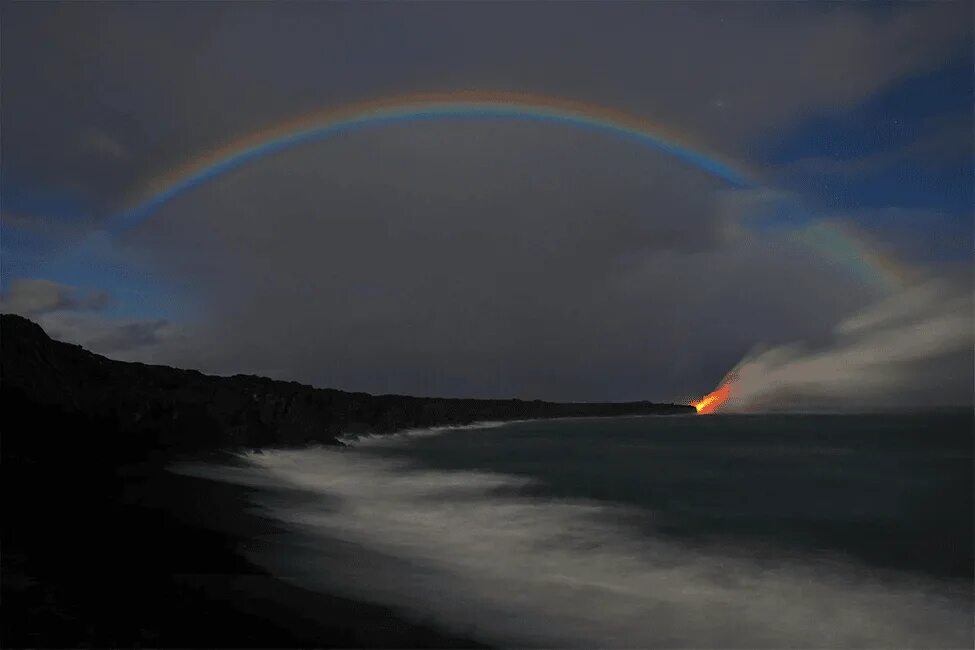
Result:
[[169, 408]]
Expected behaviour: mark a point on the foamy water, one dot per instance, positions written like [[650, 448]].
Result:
[[400, 437], [477, 553]]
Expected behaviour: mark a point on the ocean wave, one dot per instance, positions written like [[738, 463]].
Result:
[[399, 437], [480, 554]]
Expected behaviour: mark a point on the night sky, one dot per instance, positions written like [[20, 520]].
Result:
[[479, 254]]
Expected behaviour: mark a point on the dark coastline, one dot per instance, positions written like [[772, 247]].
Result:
[[104, 546], [163, 408], [145, 557]]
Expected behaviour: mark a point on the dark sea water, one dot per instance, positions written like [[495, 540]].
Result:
[[720, 531]]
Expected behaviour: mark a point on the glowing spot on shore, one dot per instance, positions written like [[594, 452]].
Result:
[[713, 400]]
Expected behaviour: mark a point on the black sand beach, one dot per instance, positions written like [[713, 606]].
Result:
[[134, 555]]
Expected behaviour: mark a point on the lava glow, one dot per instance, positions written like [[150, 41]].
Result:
[[713, 400]]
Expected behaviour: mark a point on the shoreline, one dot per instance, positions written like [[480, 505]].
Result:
[[161, 564], [351, 438]]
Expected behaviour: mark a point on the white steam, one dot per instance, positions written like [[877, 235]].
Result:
[[880, 357]]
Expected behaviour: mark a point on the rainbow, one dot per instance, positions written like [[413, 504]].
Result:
[[839, 244], [415, 108], [847, 247]]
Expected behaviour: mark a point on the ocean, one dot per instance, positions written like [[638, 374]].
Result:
[[813, 531]]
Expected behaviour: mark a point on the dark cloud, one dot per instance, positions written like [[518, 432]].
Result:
[[161, 82], [35, 296]]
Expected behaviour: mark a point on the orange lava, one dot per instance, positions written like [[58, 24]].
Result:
[[713, 400]]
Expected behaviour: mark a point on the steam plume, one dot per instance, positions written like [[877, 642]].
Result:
[[877, 358]]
